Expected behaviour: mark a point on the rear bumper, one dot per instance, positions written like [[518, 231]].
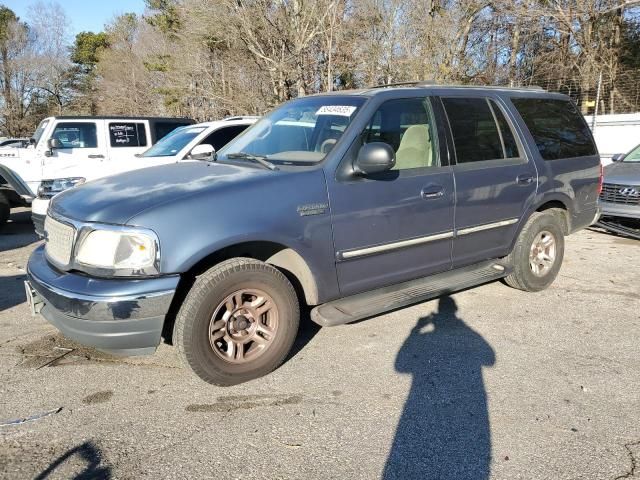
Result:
[[620, 210], [585, 218], [120, 316]]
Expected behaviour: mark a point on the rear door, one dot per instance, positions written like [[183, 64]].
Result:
[[495, 180], [396, 225], [82, 150], [125, 139]]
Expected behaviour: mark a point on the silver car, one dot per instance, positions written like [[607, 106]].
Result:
[[620, 195]]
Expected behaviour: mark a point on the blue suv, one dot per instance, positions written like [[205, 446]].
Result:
[[353, 203]]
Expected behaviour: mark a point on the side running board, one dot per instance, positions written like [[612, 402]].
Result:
[[375, 302]]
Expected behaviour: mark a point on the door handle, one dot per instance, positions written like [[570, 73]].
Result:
[[93, 155], [525, 179], [432, 191]]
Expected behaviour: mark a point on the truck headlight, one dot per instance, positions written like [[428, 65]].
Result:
[[118, 251], [49, 188]]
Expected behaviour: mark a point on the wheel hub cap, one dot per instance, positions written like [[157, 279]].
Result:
[[243, 325], [542, 255]]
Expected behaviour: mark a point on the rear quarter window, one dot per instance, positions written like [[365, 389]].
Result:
[[557, 127]]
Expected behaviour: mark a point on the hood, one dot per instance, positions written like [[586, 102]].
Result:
[[118, 198], [622, 173]]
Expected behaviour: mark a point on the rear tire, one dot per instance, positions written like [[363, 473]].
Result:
[[5, 209], [238, 322], [537, 256]]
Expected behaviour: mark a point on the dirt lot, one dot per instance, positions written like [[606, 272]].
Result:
[[489, 383]]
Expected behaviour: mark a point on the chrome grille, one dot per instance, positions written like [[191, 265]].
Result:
[[59, 240], [625, 194]]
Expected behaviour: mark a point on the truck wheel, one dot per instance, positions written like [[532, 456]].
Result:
[[238, 322], [538, 253], [5, 209]]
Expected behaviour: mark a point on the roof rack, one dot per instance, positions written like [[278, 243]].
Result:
[[240, 117], [431, 83], [417, 83]]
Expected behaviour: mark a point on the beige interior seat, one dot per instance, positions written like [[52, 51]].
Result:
[[415, 148]]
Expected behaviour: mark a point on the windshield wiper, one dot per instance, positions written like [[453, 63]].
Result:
[[254, 158]]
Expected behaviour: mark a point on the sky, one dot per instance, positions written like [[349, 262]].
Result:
[[84, 15]]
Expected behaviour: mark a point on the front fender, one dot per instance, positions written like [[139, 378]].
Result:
[[289, 209], [14, 180]]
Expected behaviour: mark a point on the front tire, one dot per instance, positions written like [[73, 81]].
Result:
[[5, 209], [238, 322], [537, 256]]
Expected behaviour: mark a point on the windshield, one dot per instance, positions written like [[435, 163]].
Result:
[[174, 142], [40, 130], [633, 155], [300, 132]]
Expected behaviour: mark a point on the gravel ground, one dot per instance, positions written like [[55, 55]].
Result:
[[487, 383]]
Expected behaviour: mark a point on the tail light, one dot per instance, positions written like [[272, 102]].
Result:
[[600, 180]]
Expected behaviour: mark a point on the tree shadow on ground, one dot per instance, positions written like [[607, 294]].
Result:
[[90, 456], [444, 430]]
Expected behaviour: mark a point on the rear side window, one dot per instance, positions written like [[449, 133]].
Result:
[[557, 127], [76, 134], [480, 131], [222, 136], [129, 134]]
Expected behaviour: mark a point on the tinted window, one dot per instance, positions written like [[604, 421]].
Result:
[[509, 143], [127, 135], [76, 135], [557, 128], [475, 133], [406, 125], [222, 136]]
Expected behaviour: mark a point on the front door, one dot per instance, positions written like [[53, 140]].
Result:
[[495, 180], [397, 225], [82, 150]]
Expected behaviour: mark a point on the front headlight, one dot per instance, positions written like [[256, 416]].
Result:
[[118, 251], [49, 188]]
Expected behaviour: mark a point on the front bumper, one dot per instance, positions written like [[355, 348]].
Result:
[[610, 209], [120, 316], [39, 208]]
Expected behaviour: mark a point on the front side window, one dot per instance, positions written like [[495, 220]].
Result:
[[76, 135], [300, 132], [633, 155], [557, 127], [127, 134], [479, 129], [405, 124], [174, 142]]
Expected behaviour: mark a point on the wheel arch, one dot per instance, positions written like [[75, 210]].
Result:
[[285, 258], [560, 208]]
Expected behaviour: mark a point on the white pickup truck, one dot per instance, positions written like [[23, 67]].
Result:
[[65, 151]]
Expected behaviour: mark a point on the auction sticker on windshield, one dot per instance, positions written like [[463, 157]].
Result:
[[342, 110]]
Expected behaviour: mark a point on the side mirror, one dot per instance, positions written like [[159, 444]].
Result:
[[53, 143], [203, 151], [618, 157], [374, 157]]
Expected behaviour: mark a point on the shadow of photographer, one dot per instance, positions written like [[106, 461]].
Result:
[[444, 430]]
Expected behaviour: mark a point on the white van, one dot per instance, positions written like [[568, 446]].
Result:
[[183, 143], [70, 150]]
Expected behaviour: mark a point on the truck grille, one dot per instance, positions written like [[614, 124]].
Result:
[[625, 194], [59, 240]]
